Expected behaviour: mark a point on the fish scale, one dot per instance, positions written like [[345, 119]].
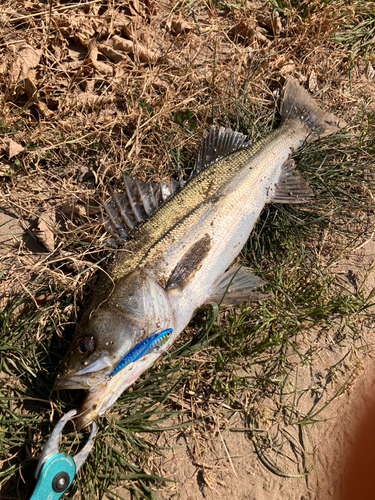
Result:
[[184, 211]]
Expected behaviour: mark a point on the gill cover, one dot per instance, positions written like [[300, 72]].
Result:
[[134, 309]]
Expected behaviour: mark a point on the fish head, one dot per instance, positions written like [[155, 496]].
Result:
[[134, 308]]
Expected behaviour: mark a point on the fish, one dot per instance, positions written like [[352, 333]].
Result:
[[175, 248]]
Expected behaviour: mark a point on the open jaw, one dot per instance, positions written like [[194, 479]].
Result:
[[102, 390]]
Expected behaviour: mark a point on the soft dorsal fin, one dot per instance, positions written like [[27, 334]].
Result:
[[236, 286], [215, 145], [291, 188], [139, 200]]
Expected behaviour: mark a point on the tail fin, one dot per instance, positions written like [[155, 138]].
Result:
[[298, 105]]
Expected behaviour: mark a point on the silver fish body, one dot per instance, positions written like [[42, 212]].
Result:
[[177, 259]]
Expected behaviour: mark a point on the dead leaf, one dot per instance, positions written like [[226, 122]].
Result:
[[114, 22], [247, 31], [144, 54], [24, 58], [75, 210], [12, 148], [92, 59], [287, 69], [179, 26], [261, 35], [244, 30], [70, 66], [44, 110], [160, 84], [45, 232], [150, 8], [75, 262], [42, 299], [370, 72], [80, 27], [30, 86], [313, 82], [117, 49], [115, 55], [103, 68], [92, 50], [271, 22]]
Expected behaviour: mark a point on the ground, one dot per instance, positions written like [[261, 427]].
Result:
[[268, 401]]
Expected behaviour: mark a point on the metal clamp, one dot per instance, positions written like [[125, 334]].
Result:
[[55, 471]]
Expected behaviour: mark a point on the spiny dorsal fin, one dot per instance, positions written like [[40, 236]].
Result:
[[215, 145], [140, 199], [236, 286], [291, 188], [135, 204]]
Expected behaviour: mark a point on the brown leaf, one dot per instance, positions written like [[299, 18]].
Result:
[[114, 22], [71, 65], [78, 26], [179, 26], [92, 50], [271, 22], [45, 232], [244, 30], [261, 35], [287, 69], [151, 8], [144, 54], [44, 110], [119, 43], [12, 148], [30, 86], [25, 57], [115, 55], [370, 72], [103, 68], [313, 82], [43, 298], [75, 210]]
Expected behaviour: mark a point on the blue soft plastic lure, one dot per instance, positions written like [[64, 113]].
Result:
[[143, 348]]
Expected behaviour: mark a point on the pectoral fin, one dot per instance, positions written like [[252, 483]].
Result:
[[236, 286], [291, 188]]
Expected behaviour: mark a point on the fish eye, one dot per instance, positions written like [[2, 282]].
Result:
[[85, 345]]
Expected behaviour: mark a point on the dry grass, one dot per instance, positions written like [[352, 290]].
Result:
[[89, 90]]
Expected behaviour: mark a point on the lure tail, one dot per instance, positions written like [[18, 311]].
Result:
[[143, 348]]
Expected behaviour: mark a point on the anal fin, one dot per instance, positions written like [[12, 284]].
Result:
[[236, 286], [291, 187]]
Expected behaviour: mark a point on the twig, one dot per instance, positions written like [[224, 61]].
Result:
[[228, 455]]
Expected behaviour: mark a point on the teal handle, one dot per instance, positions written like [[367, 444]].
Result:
[[55, 477]]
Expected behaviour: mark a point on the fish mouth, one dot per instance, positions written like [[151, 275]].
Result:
[[81, 381], [71, 382], [101, 396], [86, 377]]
